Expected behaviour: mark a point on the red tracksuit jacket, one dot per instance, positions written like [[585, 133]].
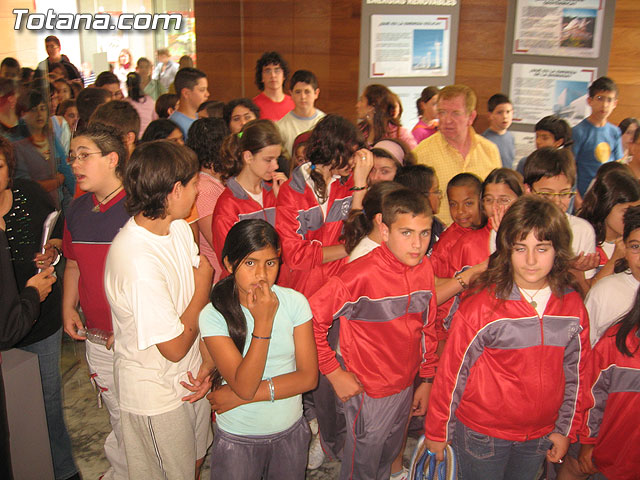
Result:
[[387, 313], [611, 406], [507, 373], [442, 268], [235, 204], [304, 230]]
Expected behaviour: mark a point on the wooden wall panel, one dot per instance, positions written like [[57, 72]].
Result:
[[324, 36], [319, 36], [624, 59], [481, 51]]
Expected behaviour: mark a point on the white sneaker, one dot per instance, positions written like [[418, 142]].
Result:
[[316, 454], [401, 475]]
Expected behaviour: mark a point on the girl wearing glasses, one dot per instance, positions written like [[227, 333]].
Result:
[[97, 156], [500, 189]]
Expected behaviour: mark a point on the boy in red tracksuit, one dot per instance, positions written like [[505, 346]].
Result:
[[387, 333]]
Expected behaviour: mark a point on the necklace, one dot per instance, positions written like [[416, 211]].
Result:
[[531, 301], [96, 209]]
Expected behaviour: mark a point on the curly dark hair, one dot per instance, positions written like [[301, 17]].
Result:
[[230, 106], [205, 139], [270, 58], [333, 142], [152, 172]]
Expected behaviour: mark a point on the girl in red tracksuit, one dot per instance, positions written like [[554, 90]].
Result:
[[313, 203], [251, 160], [500, 189], [507, 384], [310, 211], [610, 433]]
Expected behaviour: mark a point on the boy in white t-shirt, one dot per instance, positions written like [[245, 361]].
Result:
[[551, 173], [304, 92], [156, 285]]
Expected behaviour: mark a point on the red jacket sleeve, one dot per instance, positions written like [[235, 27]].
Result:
[[325, 304], [222, 220], [569, 410], [429, 342], [298, 252], [450, 382]]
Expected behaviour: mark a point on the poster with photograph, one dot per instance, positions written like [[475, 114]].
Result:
[[564, 28], [525, 145], [410, 45], [541, 90], [408, 96]]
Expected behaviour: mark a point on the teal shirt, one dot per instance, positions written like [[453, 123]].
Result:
[[265, 418]]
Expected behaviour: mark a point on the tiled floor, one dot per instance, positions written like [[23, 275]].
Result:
[[89, 425]]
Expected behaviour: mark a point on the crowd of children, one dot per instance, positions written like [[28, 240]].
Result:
[[287, 270]]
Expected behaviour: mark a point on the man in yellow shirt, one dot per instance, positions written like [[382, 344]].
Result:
[[456, 147]]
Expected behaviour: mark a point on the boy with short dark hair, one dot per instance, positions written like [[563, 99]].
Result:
[[271, 74], [304, 116], [387, 334], [109, 82], [123, 117], [151, 87], [10, 68], [500, 118], [156, 285], [551, 131], [551, 173], [192, 89], [595, 140]]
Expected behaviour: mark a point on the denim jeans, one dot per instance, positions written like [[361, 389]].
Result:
[[48, 351], [483, 457]]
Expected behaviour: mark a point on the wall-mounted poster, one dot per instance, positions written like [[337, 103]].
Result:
[[525, 145], [541, 90], [559, 28], [410, 45]]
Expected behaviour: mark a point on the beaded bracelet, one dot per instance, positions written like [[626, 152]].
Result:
[[461, 281]]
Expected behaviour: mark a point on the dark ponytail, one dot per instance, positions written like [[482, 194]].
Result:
[[244, 238], [134, 86], [630, 321], [255, 135], [359, 223]]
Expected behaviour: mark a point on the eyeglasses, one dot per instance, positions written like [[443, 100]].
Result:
[[437, 193], [81, 157], [552, 195], [499, 200]]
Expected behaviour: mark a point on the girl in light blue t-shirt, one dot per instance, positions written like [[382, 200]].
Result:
[[261, 340]]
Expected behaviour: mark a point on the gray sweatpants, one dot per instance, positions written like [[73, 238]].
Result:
[[375, 427], [281, 456]]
